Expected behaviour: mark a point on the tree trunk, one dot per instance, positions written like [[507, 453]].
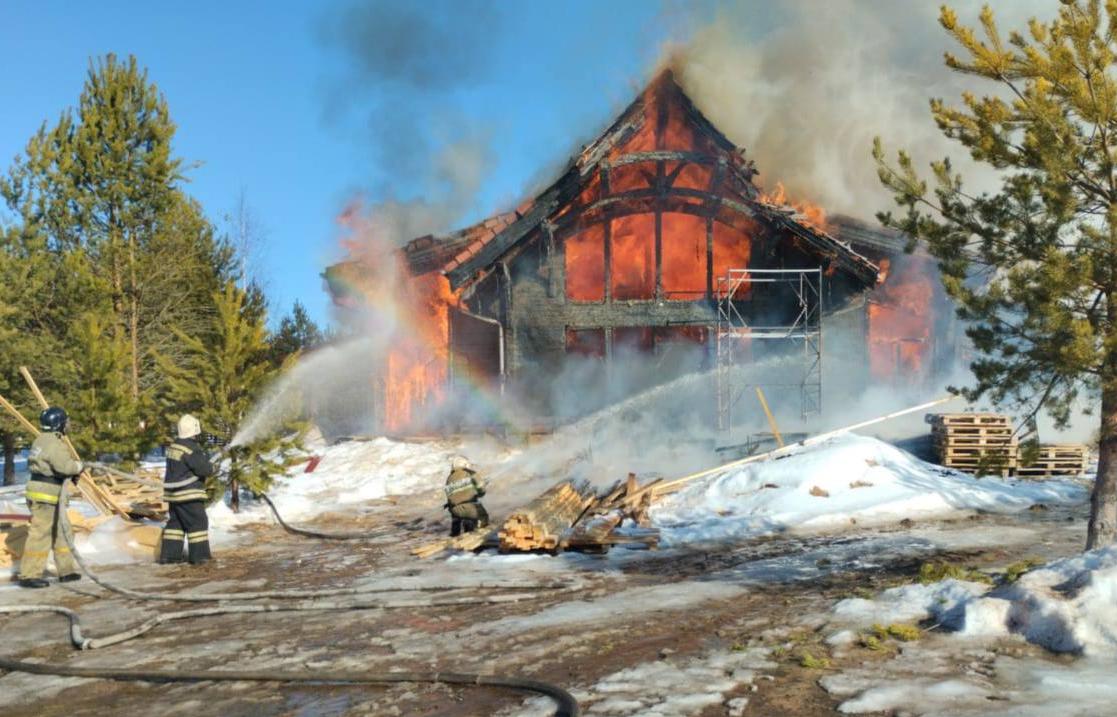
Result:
[[9, 440], [1102, 530], [134, 318]]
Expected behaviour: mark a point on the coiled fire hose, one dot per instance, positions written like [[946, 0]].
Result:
[[566, 704]]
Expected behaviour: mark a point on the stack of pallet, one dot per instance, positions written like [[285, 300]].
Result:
[[980, 443], [1060, 459]]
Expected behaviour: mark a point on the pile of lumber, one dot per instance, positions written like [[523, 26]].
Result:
[[1059, 459], [981, 443], [541, 524], [568, 516], [138, 499]]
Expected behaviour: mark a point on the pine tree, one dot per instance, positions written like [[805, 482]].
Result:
[[297, 333], [102, 225], [220, 380], [1032, 266], [104, 414]]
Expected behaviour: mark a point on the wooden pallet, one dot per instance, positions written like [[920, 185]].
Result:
[[975, 441], [972, 431], [1008, 453], [969, 419], [1058, 459]]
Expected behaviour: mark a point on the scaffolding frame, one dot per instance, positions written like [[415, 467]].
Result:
[[734, 332]]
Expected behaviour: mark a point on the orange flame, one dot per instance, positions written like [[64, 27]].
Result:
[[412, 311], [809, 213], [900, 322]]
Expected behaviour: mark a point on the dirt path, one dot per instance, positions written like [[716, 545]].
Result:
[[747, 613]]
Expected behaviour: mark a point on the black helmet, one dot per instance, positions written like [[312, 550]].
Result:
[[53, 419]]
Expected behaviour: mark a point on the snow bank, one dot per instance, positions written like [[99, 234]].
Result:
[[1068, 605], [348, 474], [848, 479]]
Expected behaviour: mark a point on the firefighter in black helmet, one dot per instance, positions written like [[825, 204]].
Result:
[[51, 464]]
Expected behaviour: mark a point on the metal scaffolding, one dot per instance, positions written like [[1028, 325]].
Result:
[[734, 334]]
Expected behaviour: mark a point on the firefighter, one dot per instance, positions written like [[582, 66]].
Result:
[[184, 490], [51, 464], [463, 498]]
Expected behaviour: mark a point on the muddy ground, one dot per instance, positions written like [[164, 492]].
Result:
[[625, 610]]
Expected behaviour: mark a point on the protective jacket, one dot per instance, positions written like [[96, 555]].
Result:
[[51, 463], [463, 486], [184, 489], [187, 468]]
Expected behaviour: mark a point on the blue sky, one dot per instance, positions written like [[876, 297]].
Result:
[[288, 100]]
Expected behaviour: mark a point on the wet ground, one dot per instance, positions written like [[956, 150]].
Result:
[[750, 610]]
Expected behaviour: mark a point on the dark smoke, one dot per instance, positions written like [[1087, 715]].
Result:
[[405, 69]]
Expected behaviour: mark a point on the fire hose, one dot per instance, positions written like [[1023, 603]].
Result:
[[566, 703], [360, 535], [551, 588], [567, 706]]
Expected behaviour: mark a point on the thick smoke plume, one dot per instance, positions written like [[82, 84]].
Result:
[[805, 86], [406, 74]]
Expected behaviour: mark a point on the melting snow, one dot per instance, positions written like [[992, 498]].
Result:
[[848, 480], [668, 688]]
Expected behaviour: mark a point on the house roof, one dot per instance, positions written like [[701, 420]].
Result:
[[487, 247]]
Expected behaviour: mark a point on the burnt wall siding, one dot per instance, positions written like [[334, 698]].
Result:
[[529, 298]]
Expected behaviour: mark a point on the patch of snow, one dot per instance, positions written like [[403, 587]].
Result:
[[944, 601], [671, 596], [1068, 605], [667, 688], [847, 480], [348, 474]]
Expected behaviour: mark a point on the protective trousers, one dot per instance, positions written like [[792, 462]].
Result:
[[49, 528], [467, 517], [187, 521]]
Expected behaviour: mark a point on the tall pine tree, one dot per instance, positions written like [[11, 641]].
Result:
[[220, 380], [1033, 266], [99, 193]]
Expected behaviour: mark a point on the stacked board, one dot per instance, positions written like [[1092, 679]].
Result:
[[981, 443], [1059, 459], [541, 524]]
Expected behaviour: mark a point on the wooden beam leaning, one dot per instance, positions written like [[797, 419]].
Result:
[[20, 418], [94, 494], [671, 486]]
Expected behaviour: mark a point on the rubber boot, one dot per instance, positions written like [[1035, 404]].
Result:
[[33, 583]]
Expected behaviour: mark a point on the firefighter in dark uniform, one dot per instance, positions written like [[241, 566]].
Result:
[[51, 464], [464, 490], [184, 489]]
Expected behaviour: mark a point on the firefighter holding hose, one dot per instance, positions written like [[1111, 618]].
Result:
[[51, 465], [184, 489], [464, 490]]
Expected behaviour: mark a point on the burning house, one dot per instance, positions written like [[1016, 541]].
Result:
[[656, 242]]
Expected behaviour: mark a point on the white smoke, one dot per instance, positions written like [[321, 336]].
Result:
[[805, 86]]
